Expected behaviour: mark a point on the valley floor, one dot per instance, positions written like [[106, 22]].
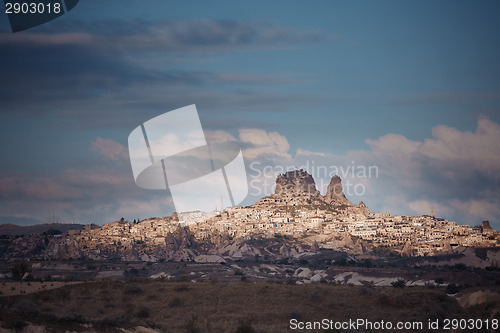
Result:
[[146, 305]]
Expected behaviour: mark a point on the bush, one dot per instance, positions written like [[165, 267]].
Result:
[[400, 283], [460, 267], [132, 288], [365, 291], [245, 327], [27, 308], [73, 318], [176, 301], [295, 315], [439, 280], [19, 269], [191, 325], [182, 287], [14, 322], [143, 312], [452, 288]]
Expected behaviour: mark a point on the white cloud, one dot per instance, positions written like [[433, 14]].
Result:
[[259, 143], [305, 152], [423, 207], [219, 136], [454, 171], [390, 144], [449, 147], [478, 210], [480, 149]]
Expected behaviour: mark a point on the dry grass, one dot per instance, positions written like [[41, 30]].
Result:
[[220, 307], [22, 288]]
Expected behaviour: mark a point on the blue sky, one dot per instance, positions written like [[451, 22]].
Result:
[[411, 87]]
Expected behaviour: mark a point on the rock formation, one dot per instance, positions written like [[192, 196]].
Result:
[[285, 251], [359, 247], [335, 193], [295, 182], [315, 247], [486, 225], [179, 239], [346, 241], [407, 250]]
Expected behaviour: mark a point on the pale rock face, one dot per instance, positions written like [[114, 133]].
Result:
[[285, 251], [209, 258], [335, 193], [408, 249], [303, 273], [318, 276], [486, 225], [359, 247], [346, 241], [295, 182]]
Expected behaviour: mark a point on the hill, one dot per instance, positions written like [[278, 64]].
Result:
[[18, 230]]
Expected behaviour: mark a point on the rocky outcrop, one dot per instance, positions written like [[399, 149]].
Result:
[[178, 240], [315, 247], [295, 182], [285, 251], [359, 247], [407, 250], [486, 225], [335, 193], [346, 241]]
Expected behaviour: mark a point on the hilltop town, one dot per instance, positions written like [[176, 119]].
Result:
[[295, 220]]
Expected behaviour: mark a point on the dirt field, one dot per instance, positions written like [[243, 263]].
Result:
[[24, 288], [166, 306]]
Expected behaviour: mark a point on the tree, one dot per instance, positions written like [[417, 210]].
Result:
[[19, 269], [400, 283]]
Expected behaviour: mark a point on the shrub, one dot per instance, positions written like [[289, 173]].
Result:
[[143, 312], [295, 315], [14, 322], [132, 288], [400, 283], [27, 308], [182, 287], [245, 327], [176, 301], [365, 292], [19, 269], [460, 267], [73, 318], [439, 280], [452, 288], [191, 325]]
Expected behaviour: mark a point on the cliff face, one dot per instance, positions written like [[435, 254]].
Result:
[[295, 182]]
